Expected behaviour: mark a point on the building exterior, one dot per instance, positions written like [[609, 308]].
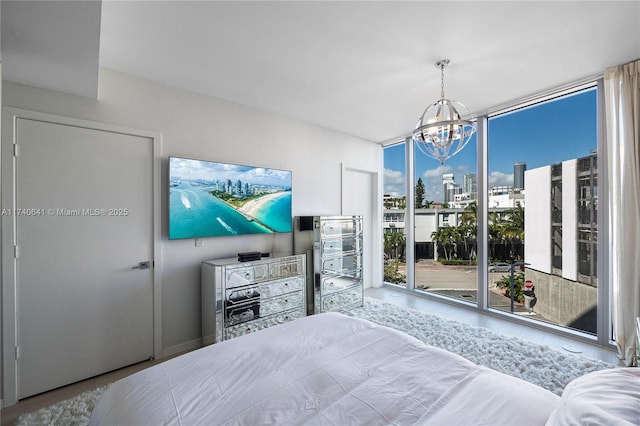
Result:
[[518, 175], [562, 260], [463, 200], [449, 188], [470, 185], [506, 197], [393, 220]]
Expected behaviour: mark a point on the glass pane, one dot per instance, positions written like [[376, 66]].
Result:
[[543, 209], [395, 202], [446, 200]]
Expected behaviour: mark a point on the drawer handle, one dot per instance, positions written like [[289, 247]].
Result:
[[331, 284], [248, 330], [286, 284], [286, 301], [286, 318]]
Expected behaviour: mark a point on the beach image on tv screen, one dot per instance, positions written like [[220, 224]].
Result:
[[209, 199]]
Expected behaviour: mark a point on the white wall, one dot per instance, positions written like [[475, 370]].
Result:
[[426, 223], [201, 127], [537, 217]]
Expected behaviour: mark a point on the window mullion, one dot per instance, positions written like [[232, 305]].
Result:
[[482, 210], [604, 288], [409, 219]]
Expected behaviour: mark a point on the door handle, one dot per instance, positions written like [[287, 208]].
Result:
[[142, 265]]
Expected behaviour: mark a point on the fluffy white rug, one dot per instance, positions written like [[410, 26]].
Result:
[[72, 412], [538, 364], [541, 365]]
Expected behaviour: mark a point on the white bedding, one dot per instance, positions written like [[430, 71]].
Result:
[[606, 397], [323, 369]]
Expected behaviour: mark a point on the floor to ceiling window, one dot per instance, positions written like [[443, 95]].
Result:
[[445, 223], [542, 167], [537, 196], [393, 221]]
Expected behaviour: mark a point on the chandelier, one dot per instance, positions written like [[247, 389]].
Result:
[[441, 132]]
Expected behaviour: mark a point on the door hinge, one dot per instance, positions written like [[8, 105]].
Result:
[[16, 149], [17, 352], [16, 252]]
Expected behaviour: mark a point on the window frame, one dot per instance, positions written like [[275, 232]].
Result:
[[603, 335]]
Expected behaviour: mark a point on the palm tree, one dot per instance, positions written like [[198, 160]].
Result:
[[402, 202], [512, 228], [447, 237], [513, 223], [469, 235], [495, 232], [394, 243], [470, 215], [468, 228]]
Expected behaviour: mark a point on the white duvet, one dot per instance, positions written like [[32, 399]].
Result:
[[328, 369]]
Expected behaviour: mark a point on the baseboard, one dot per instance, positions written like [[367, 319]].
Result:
[[183, 347]]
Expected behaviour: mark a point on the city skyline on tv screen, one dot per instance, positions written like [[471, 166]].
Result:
[[208, 199]]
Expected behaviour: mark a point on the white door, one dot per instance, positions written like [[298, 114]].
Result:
[[85, 221], [359, 197]]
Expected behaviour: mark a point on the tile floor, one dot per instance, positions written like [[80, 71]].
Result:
[[387, 294]]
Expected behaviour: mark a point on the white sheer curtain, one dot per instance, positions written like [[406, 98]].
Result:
[[622, 100]]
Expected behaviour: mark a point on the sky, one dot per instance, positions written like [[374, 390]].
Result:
[[539, 135], [185, 168]]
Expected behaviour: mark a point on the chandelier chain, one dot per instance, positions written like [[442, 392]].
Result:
[[441, 81]]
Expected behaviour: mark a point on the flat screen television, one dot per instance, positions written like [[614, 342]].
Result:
[[209, 199]]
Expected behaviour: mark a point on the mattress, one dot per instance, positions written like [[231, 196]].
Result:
[[328, 369]]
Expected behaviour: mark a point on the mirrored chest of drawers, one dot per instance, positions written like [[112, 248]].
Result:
[[241, 297], [337, 256]]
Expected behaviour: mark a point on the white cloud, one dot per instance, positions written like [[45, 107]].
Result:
[[437, 172], [432, 179], [208, 170], [500, 179], [393, 183]]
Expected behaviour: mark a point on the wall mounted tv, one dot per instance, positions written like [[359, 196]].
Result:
[[208, 199]]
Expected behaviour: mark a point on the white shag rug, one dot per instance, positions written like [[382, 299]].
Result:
[[541, 365], [538, 364], [72, 412]]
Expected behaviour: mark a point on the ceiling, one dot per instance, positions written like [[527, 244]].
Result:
[[362, 68]]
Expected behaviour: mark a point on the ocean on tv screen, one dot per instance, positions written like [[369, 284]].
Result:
[[204, 210]]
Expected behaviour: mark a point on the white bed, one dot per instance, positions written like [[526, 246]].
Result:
[[323, 369]]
